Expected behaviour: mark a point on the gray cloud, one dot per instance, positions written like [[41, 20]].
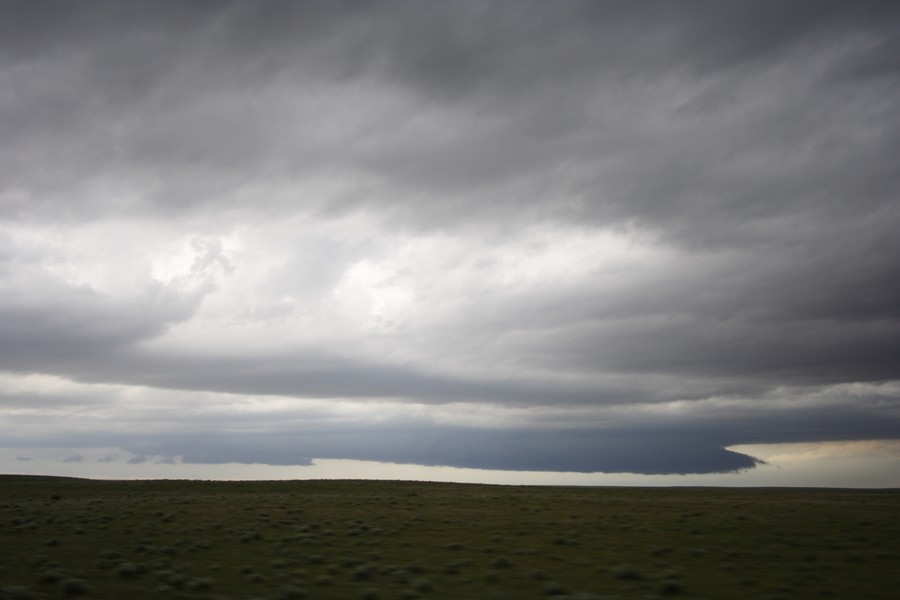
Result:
[[682, 437], [578, 451], [574, 204]]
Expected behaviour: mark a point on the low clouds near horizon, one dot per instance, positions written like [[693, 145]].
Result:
[[583, 236]]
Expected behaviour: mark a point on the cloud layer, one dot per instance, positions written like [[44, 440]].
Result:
[[571, 236]]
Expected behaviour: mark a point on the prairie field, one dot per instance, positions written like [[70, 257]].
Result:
[[368, 540]]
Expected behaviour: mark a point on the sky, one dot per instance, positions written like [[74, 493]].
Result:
[[508, 241]]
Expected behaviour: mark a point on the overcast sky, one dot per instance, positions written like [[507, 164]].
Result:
[[546, 236]]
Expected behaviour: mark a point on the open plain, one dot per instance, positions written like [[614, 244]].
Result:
[[65, 537]]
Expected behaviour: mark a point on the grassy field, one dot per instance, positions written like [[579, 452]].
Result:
[[385, 539]]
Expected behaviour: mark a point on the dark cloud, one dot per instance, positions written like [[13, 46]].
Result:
[[135, 89], [747, 148], [523, 450], [47, 322], [78, 327], [317, 375], [661, 439], [527, 450]]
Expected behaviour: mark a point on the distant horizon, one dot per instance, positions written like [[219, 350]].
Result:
[[793, 469], [414, 481]]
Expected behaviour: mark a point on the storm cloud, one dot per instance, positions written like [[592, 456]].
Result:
[[568, 236]]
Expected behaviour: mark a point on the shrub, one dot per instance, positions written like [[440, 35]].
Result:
[[399, 575], [128, 570], [171, 578], [670, 588], [251, 536], [627, 572], [422, 585], [51, 576], [348, 561], [456, 566], [74, 587], [554, 588], [362, 572], [200, 584], [291, 592]]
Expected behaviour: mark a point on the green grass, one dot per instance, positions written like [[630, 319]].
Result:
[[405, 540]]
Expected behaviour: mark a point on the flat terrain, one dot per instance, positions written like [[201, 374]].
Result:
[[385, 540]]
